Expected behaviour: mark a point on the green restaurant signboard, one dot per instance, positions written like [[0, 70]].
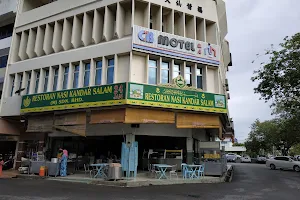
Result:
[[169, 96], [106, 95]]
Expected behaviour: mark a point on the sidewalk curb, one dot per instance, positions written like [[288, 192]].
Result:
[[128, 184]]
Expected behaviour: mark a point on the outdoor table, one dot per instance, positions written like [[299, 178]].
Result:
[[162, 168], [193, 170], [100, 170]]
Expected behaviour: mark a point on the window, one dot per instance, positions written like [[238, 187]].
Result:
[[163, 24], [165, 72], [76, 76], [13, 85], [98, 77], [110, 71], [152, 74], [87, 74], [21, 80], [151, 22], [46, 79], [6, 31], [3, 61], [37, 81], [188, 75], [55, 78], [66, 76], [28, 82], [176, 70], [199, 78], [282, 158]]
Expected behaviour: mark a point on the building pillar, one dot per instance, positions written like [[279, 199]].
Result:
[[21, 147], [189, 150], [130, 138]]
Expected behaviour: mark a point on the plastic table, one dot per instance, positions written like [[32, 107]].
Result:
[[162, 168], [193, 169], [100, 170]]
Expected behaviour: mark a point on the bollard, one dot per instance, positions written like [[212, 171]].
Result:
[[1, 165]]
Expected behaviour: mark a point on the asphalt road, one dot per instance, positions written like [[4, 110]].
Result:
[[251, 181]]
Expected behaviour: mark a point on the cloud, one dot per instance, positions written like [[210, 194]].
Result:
[[253, 26]]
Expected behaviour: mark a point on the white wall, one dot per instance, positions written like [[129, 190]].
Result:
[[145, 129], [5, 43], [211, 81], [138, 71], [123, 129], [7, 6], [122, 73]]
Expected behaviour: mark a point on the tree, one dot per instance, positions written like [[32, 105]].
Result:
[[279, 80], [295, 150], [256, 141], [280, 133]]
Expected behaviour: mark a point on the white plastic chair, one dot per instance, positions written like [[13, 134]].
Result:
[[173, 172], [87, 170]]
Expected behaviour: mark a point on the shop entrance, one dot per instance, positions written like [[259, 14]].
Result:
[[100, 149], [159, 145], [7, 153]]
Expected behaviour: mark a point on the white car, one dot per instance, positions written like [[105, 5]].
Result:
[[261, 159], [231, 157], [283, 162], [246, 159]]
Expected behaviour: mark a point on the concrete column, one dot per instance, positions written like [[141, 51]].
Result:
[[21, 145], [50, 79], [81, 74], [130, 138], [60, 80], [92, 72], [189, 150]]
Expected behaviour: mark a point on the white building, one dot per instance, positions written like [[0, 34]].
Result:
[[8, 9], [72, 44]]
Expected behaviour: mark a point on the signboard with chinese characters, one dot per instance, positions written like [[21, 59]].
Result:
[[161, 43], [106, 95], [167, 97]]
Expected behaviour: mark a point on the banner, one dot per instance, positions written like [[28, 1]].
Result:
[[171, 96], [166, 97], [106, 95]]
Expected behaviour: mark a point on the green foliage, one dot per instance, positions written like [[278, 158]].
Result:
[[280, 133], [279, 83], [279, 80], [295, 150]]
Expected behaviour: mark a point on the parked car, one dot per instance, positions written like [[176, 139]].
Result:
[[261, 159], [283, 162], [231, 157], [246, 159], [297, 157]]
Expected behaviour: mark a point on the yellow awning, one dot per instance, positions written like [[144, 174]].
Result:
[[107, 116], [40, 123], [191, 120], [147, 116]]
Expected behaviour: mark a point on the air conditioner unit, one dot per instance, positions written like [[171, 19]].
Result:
[[227, 88], [228, 95], [226, 82]]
